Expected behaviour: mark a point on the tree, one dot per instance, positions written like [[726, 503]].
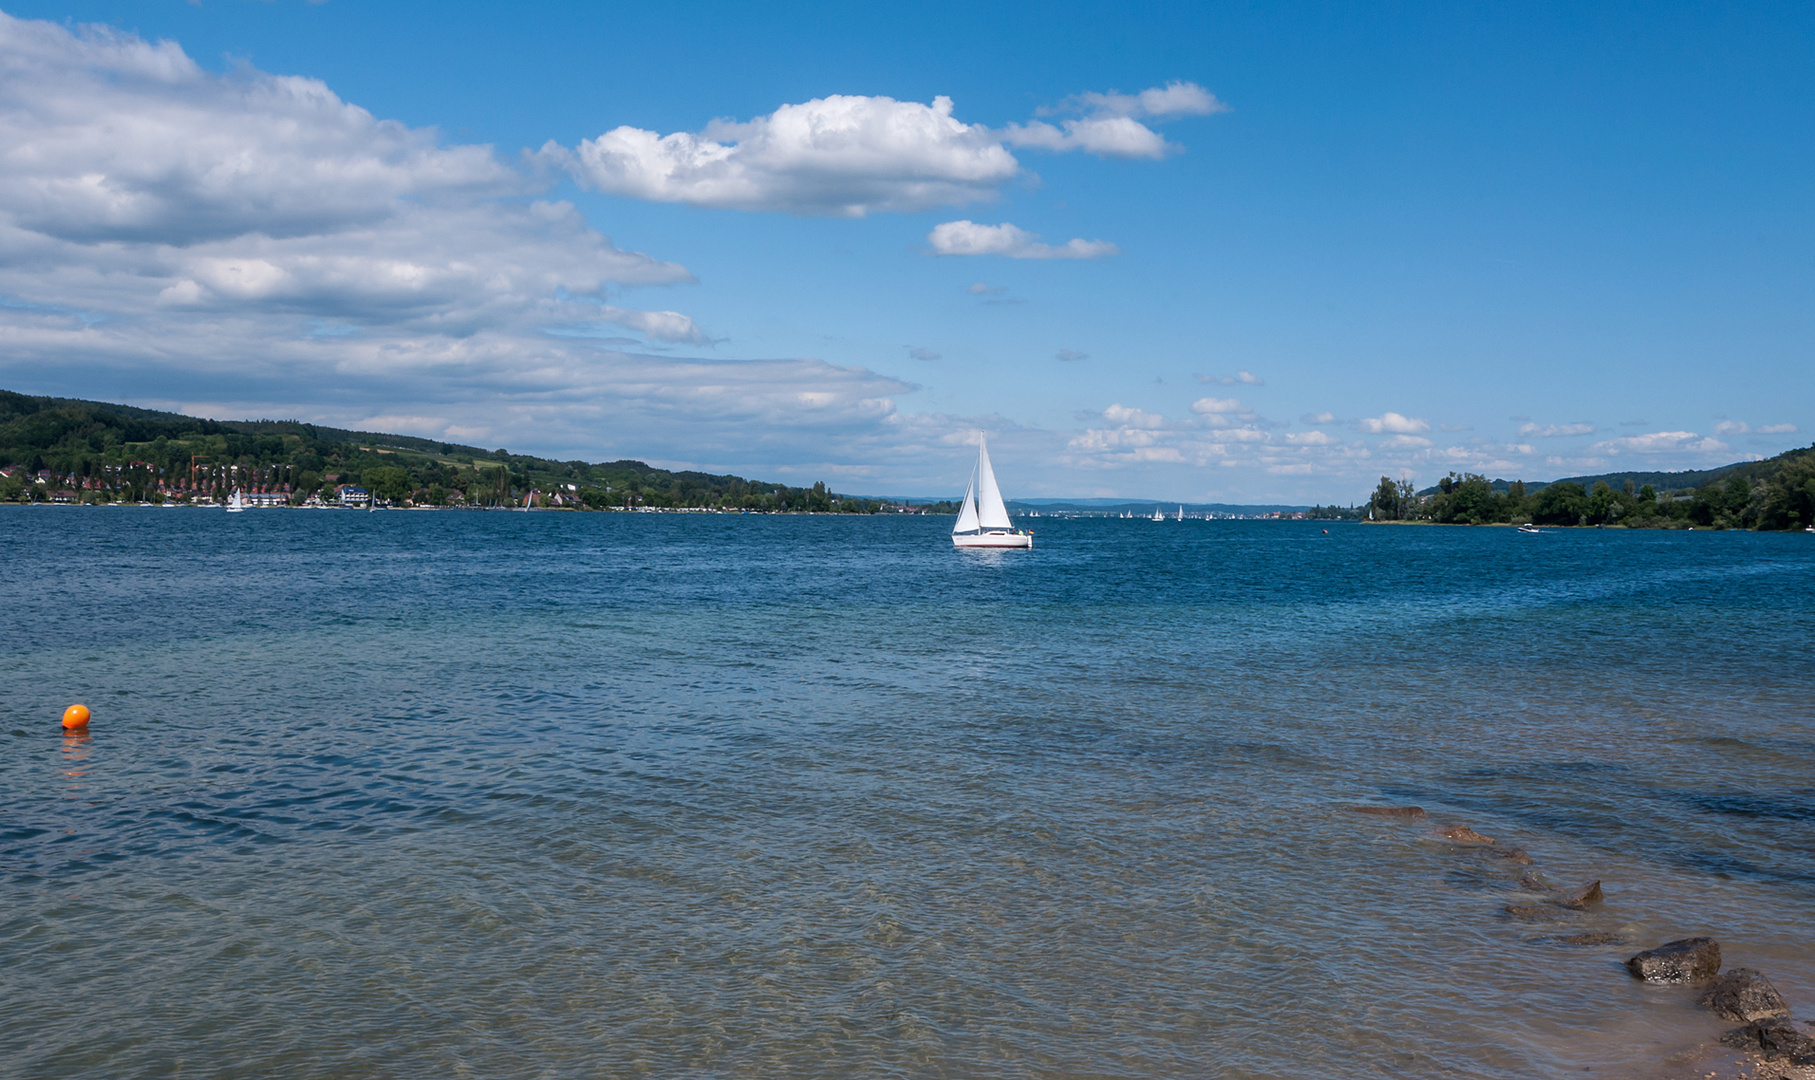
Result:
[[1560, 504], [1385, 503], [387, 482]]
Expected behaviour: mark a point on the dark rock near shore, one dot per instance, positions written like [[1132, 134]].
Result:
[[1743, 994], [1462, 834], [1584, 896], [1517, 855], [1390, 811], [1531, 882], [1773, 1040], [1686, 960]]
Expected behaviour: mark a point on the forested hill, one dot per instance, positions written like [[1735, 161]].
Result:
[[1776, 493], [93, 451]]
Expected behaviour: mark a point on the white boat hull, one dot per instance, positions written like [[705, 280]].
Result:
[[993, 540]]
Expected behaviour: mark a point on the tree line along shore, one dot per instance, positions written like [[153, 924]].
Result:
[[66, 450], [1775, 494]]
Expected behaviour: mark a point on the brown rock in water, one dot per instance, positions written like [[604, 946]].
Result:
[[1773, 1040], [1462, 834], [1531, 882], [1390, 811], [1538, 912], [1584, 896], [1598, 937], [1695, 959], [1517, 855], [1743, 994]]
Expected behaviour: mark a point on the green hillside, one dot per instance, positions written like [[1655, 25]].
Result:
[[93, 451], [1775, 494]]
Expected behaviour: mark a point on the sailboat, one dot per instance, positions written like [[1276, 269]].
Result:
[[983, 520], [1158, 514], [237, 503], [1181, 514]]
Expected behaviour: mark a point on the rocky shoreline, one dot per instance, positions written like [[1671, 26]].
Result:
[[1769, 1043]]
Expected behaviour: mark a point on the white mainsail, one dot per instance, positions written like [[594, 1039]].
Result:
[[991, 514], [967, 514]]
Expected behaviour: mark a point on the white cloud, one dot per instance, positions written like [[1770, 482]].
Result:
[[250, 244], [1109, 126], [1070, 355], [1555, 431], [922, 354], [846, 155], [1325, 417], [1658, 442], [850, 155], [1176, 98], [1104, 136], [1393, 423], [1312, 438], [1214, 405], [1740, 427], [1124, 416], [984, 288], [970, 238]]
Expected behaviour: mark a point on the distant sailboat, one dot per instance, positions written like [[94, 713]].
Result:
[[237, 503], [1181, 514], [1158, 514], [983, 519]]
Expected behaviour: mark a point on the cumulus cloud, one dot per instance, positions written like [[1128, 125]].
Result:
[[922, 354], [1555, 431], [1394, 424], [1214, 405], [250, 244], [970, 238], [845, 155], [1240, 378], [1111, 122], [1124, 416], [984, 288], [850, 155], [1325, 417]]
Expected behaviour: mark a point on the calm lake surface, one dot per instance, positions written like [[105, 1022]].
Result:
[[561, 795]]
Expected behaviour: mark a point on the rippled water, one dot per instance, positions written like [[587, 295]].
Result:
[[499, 795]]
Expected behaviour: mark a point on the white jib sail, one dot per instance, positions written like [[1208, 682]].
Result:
[[967, 514], [991, 514]]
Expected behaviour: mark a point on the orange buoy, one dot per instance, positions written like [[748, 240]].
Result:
[[76, 716]]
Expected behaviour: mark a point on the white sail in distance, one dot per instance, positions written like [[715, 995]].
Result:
[[991, 514], [967, 514]]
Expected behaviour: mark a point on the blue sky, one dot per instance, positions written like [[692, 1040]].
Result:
[[1333, 243]]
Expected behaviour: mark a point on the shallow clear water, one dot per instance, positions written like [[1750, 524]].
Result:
[[497, 795]]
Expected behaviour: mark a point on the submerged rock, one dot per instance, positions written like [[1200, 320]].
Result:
[[1584, 896], [1531, 882], [1773, 1040], [1695, 959], [1538, 912], [1743, 994], [1597, 937], [1462, 834], [1390, 811], [1517, 855]]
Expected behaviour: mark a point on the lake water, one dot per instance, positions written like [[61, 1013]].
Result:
[[561, 795]]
